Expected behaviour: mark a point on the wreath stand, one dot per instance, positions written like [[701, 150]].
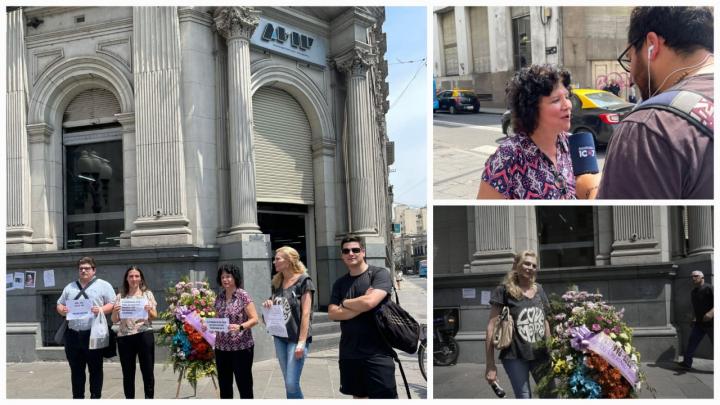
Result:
[[182, 374]]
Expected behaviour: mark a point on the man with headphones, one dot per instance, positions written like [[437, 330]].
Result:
[[664, 148]]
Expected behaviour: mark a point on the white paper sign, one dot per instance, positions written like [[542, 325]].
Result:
[[133, 308], [79, 309], [485, 297], [9, 285], [217, 324], [275, 321], [468, 293], [19, 281], [49, 278]]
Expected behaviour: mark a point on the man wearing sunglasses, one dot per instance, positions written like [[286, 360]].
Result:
[[366, 364], [664, 148]]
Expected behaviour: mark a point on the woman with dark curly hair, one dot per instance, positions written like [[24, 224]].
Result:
[[234, 349], [535, 163]]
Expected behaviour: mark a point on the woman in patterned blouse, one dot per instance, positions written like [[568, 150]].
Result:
[[234, 348], [535, 163]]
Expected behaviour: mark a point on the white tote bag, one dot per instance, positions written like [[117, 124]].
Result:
[[99, 335]]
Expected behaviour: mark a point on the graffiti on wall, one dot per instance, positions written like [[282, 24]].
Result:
[[622, 79]]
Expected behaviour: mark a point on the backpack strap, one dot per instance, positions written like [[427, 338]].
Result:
[[692, 106], [82, 290]]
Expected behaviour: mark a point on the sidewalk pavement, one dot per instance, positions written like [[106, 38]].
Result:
[[320, 376], [664, 380]]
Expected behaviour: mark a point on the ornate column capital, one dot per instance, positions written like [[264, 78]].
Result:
[[356, 61], [236, 22]]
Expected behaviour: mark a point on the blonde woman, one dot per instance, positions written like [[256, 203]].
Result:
[[292, 289], [528, 305]]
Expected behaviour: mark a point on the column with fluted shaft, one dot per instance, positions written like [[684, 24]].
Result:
[[700, 230], [19, 231], [237, 25], [161, 206], [359, 132]]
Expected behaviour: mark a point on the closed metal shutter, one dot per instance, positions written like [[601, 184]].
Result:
[[92, 104], [283, 155]]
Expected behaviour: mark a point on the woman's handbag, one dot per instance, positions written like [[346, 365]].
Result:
[[99, 333], [503, 330]]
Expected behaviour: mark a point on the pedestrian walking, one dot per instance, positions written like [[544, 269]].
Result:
[[136, 339], [77, 336], [366, 362], [701, 297], [292, 290], [234, 349], [528, 304]]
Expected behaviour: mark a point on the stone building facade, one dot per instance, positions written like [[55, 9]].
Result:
[[639, 257], [479, 48], [179, 138]]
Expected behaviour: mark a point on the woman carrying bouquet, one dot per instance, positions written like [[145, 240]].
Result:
[[135, 336], [528, 305], [292, 289], [234, 348]]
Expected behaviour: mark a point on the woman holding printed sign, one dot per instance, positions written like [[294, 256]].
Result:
[[234, 349], [292, 290], [135, 308]]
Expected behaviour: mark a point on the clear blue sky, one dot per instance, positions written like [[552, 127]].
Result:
[[407, 118]]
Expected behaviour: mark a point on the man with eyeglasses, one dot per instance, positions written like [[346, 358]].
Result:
[[701, 297], [77, 337], [366, 364], [664, 148]]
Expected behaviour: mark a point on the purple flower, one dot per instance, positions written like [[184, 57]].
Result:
[[596, 327]]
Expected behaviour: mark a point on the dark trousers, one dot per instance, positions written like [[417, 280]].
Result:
[[238, 363], [79, 356], [142, 347], [697, 333]]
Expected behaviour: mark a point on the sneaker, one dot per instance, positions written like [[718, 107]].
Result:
[[682, 365]]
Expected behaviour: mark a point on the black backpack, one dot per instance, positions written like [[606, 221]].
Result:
[[398, 328]]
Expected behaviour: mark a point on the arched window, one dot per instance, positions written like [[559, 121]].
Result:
[[93, 167]]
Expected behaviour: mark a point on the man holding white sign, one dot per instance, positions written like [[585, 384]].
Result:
[[77, 337]]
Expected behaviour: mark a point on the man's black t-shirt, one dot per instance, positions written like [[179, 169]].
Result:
[[702, 302], [359, 337]]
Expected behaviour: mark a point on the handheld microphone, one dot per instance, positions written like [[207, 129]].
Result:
[[582, 153], [585, 165]]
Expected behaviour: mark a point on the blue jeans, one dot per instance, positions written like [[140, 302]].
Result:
[[518, 371], [696, 335], [290, 366]]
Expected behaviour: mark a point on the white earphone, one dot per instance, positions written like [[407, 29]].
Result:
[[650, 49]]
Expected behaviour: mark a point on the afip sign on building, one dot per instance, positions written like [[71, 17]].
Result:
[[289, 41]]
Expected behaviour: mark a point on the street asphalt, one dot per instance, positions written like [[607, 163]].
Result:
[[320, 377], [664, 380]]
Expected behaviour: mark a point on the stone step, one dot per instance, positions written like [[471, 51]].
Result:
[[325, 341]]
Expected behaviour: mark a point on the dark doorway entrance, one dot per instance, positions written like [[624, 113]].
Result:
[[285, 223]]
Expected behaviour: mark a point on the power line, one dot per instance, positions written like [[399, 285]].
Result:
[[400, 62], [408, 85]]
